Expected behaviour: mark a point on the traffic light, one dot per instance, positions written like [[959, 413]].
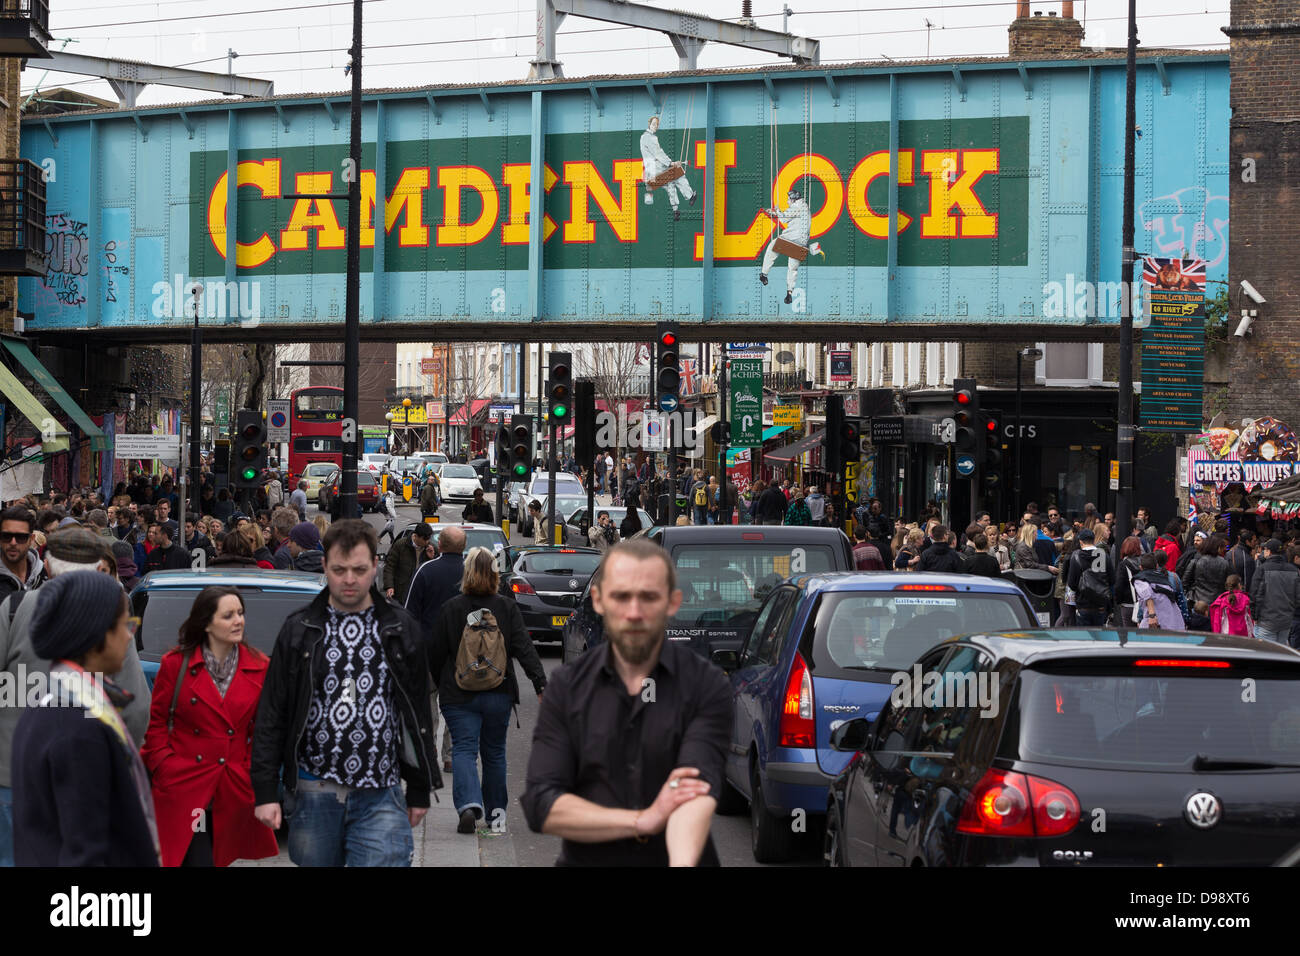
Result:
[[584, 422], [559, 389], [832, 444], [850, 442], [965, 412], [669, 381], [991, 463], [250, 448], [519, 448]]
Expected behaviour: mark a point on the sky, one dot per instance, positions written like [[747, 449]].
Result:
[[301, 45]]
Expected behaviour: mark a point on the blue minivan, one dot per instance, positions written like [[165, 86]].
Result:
[[163, 600], [825, 649]]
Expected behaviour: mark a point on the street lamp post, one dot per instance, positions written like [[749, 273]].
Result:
[[1033, 355], [390, 418], [406, 424]]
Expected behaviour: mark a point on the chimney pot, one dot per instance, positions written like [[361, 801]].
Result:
[[1038, 13], [1051, 13]]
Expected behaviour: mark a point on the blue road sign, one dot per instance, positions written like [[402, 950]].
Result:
[[668, 403], [965, 465]]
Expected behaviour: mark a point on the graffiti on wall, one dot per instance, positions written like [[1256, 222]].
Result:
[[1188, 224], [112, 269], [66, 258]]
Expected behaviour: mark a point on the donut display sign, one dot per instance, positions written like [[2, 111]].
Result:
[[1258, 453]]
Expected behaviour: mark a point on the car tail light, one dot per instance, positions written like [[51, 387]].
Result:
[[924, 587], [797, 726], [522, 587], [1011, 804], [1175, 663]]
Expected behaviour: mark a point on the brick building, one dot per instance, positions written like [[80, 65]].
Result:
[[1262, 370]]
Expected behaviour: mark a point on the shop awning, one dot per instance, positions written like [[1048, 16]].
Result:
[[54, 437], [20, 351], [473, 409], [796, 448], [771, 431], [565, 434]]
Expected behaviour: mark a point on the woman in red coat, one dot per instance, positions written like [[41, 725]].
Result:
[[198, 756]]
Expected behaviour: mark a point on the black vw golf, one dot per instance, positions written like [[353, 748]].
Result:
[[1077, 747], [546, 583]]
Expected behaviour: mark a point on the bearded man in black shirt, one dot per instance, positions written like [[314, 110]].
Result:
[[627, 758]]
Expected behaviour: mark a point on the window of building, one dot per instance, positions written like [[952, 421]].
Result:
[[1069, 364]]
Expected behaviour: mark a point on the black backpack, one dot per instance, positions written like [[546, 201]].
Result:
[[1094, 586]]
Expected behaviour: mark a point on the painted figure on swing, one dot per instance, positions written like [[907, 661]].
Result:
[[659, 171], [796, 221]]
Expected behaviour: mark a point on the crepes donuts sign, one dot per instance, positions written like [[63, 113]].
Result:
[[1257, 453]]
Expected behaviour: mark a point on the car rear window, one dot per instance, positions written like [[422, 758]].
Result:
[[579, 562], [480, 538], [721, 583], [889, 630], [364, 478], [162, 611], [458, 471], [1145, 718]]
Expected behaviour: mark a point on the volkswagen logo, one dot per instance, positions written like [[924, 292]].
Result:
[[1203, 810], [573, 582]]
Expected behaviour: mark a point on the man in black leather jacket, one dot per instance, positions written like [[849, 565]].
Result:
[[342, 793]]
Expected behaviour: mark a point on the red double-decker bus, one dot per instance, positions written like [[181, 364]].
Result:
[[315, 428]]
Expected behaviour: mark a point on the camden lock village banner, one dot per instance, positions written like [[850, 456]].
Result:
[[1173, 344]]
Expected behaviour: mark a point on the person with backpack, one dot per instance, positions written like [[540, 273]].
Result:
[[700, 498], [1129, 567], [476, 639], [1230, 611], [1091, 577]]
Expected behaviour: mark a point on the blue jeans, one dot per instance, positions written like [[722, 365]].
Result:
[[1265, 634], [479, 728], [701, 514], [6, 826], [369, 828], [1090, 617]]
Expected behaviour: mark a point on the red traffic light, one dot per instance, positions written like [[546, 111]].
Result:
[[991, 426], [668, 338], [962, 396]]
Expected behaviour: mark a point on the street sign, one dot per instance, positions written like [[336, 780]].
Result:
[[277, 420], [841, 366], [965, 465], [746, 398], [652, 431], [500, 413], [222, 412], [146, 446], [668, 403], [1114, 475], [791, 415], [747, 350]]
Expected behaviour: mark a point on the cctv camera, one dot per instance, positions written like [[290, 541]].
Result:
[[1251, 291], [1247, 319]]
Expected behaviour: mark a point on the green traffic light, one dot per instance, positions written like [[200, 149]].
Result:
[[249, 474], [521, 469], [561, 411]]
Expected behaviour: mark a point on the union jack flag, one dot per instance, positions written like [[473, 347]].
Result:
[[1165, 273], [690, 369]]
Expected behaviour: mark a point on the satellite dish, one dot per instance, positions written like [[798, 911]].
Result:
[[785, 358]]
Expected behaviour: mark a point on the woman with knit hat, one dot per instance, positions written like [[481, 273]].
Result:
[[81, 792]]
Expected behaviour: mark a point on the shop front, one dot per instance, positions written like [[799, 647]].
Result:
[[1246, 473], [1067, 446]]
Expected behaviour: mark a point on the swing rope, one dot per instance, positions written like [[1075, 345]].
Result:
[[686, 134]]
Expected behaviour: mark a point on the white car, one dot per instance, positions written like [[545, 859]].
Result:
[[374, 463], [458, 482]]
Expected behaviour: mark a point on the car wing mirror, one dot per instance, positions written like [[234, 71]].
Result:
[[727, 659]]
